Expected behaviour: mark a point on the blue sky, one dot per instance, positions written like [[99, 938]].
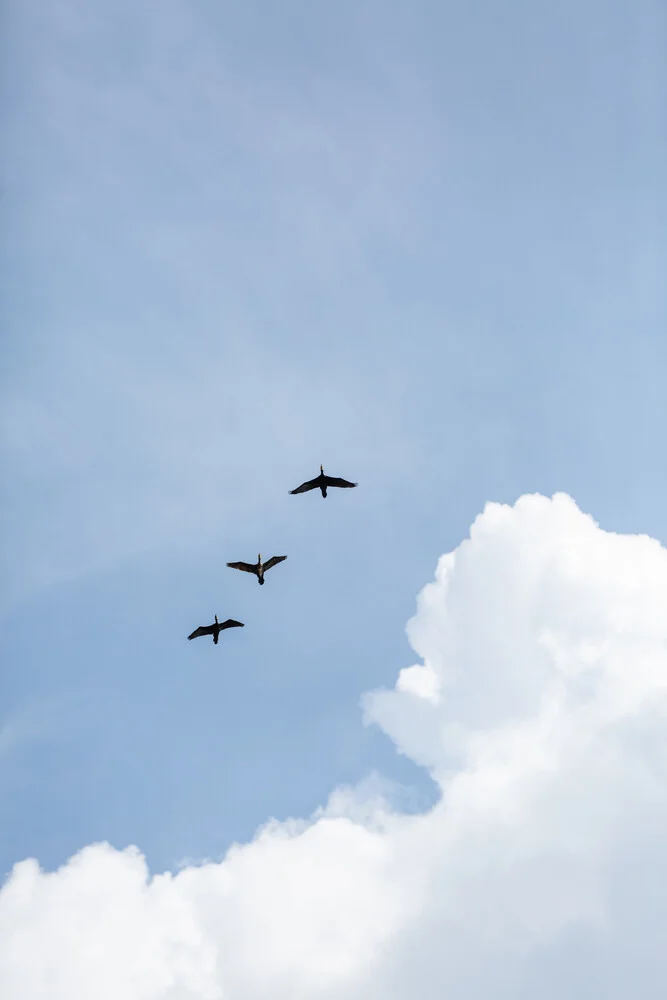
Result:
[[423, 244]]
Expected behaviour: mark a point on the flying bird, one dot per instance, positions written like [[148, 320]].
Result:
[[215, 629], [322, 483], [259, 568]]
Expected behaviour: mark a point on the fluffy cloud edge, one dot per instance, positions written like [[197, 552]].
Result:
[[539, 710]]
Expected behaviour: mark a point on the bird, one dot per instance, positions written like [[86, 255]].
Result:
[[259, 568], [215, 629], [322, 482]]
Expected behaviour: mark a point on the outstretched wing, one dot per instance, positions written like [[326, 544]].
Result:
[[273, 561], [246, 567], [202, 630], [230, 623], [310, 485], [332, 481]]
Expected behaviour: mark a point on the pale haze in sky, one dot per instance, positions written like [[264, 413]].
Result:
[[424, 245]]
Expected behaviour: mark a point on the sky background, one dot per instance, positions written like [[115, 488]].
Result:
[[421, 243]]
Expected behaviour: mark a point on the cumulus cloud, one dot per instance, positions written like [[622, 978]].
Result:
[[539, 708]]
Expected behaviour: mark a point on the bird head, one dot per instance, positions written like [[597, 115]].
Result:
[[259, 558], [321, 469], [216, 619]]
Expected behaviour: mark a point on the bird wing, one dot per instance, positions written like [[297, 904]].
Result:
[[333, 481], [246, 567], [202, 630], [273, 561], [230, 623], [310, 485]]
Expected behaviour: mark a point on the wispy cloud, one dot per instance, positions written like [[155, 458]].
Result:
[[42, 720], [191, 229]]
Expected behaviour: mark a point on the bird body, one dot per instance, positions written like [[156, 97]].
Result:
[[215, 629], [259, 568], [322, 482]]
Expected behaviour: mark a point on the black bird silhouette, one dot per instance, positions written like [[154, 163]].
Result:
[[259, 568], [322, 482], [215, 629]]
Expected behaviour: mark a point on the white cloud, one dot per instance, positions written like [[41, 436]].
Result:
[[540, 709]]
